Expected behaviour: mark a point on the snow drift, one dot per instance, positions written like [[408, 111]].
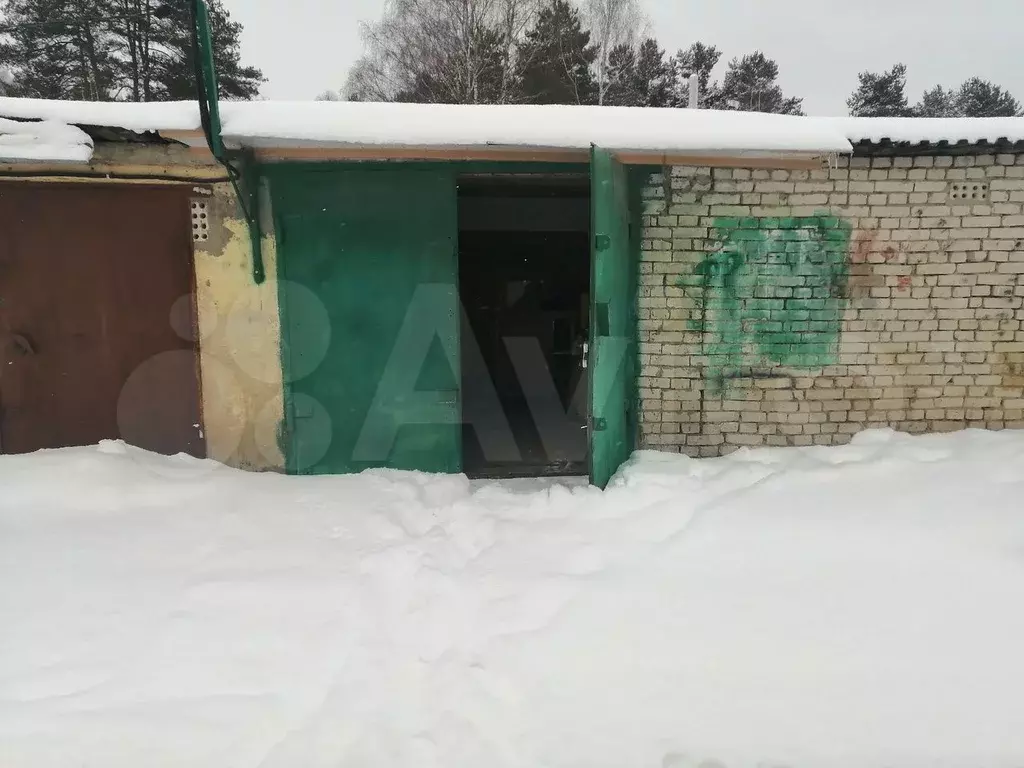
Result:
[[851, 606]]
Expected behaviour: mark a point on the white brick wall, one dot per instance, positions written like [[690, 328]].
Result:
[[799, 307]]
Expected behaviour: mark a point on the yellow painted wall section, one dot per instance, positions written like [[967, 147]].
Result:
[[240, 341]]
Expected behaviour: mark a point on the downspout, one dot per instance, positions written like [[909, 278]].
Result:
[[240, 165]]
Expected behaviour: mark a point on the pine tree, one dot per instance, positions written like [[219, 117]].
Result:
[[881, 95], [135, 50], [556, 57], [620, 90], [750, 86], [59, 49], [638, 78], [653, 75], [937, 102], [981, 98], [167, 41], [698, 59]]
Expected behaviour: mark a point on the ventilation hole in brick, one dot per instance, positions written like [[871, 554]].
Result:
[[978, 192], [200, 226]]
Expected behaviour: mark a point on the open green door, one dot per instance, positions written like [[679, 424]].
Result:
[[612, 319], [370, 318]]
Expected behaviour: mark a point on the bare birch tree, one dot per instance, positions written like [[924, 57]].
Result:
[[612, 23], [454, 51]]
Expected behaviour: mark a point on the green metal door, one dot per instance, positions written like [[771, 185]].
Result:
[[612, 323], [369, 305]]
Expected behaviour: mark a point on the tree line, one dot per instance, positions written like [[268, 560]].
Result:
[[555, 52], [441, 51], [547, 52], [884, 94], [107, 50]]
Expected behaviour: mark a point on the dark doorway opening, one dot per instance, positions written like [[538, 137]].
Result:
[[524, 282]]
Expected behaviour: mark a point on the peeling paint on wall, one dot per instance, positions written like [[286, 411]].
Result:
[[240, 332], [773, 294]]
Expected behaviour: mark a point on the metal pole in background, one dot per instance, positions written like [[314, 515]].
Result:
[[694, 91]]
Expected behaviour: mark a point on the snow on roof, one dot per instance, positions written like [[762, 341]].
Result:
[[43, 140], [932, 130], [151, 116], [547, 126], [278, 124], [269, 123]]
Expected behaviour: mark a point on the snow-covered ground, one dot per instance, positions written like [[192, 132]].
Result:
[[852, 607]]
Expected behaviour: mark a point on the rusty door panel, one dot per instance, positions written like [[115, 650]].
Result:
[[90, 276]]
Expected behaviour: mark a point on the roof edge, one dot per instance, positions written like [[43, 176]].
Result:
[[888, 148]]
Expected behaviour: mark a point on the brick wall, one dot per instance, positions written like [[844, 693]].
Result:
[[800, 307]]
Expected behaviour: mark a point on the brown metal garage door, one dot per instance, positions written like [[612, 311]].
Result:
[[97, 317]]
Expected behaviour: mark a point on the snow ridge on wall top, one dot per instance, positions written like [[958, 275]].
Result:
[[46, 140], [270, 123], [152, 116]]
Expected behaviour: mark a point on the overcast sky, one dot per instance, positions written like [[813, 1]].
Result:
[[306, 46]]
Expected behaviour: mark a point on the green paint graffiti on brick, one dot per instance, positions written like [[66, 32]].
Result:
[[773, 293]]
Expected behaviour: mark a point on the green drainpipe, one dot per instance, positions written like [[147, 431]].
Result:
[[241, 166]]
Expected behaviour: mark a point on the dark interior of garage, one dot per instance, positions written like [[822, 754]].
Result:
[[524, 276]]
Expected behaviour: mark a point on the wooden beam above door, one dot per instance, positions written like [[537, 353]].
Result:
[[336, 153], [529, 155]]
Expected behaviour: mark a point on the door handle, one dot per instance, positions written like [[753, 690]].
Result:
[[23, 344]]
